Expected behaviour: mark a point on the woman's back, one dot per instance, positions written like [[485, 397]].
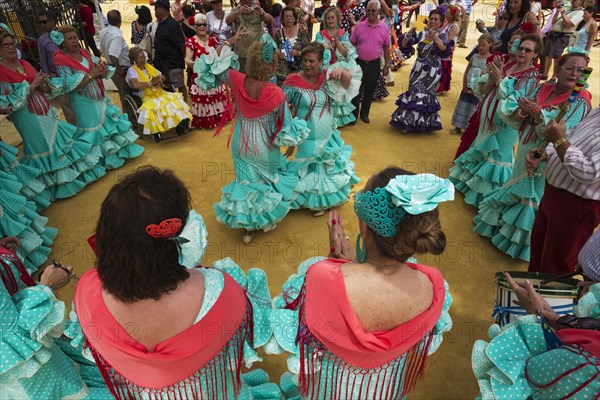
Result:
[[150, 322], [384, 298]]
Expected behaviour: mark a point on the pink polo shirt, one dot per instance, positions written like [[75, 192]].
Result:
[[370, 40]]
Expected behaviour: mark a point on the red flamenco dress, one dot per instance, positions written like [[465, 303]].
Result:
[[207, 105]]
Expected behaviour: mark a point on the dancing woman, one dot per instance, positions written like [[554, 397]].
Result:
[[506, 214], [63, 164], [488, 164], [450, 28], [265, 187], [418, 107], [326, 173], [359, 325], [99, 122]]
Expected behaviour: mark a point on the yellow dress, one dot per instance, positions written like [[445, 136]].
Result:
[[160, 110]]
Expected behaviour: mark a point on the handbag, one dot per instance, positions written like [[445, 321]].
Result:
[[293, 62], [146, 42]]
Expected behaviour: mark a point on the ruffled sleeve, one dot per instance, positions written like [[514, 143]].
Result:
[[508, 96], [351, 54], [589, 304], [477, 85], [499, 366], [444, 324], [69, 78], [31, 320], [14, 95], [293, 132], [212, 68], [336, 90], [255, 285], [285, 321], [56, 88]]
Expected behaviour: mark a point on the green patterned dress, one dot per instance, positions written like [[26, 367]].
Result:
[[99, 122], [488, 164]]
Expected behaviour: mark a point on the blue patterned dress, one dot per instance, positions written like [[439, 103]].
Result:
[[99, 122], [326, 173], [418, 107], [488, 164]]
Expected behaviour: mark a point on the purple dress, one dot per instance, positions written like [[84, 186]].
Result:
[[418, 107]]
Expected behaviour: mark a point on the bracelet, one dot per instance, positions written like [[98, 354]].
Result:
[[559, 143], [89, 76], [226, 43]]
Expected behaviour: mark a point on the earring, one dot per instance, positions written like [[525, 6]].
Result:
[[361, 250]]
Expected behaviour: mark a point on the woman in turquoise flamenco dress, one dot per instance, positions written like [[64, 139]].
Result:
[[551, 359], [325, 171], [32, 365], [54, 164], [338, 49], [488, 164], [99, 121], [205, 323], [265, 187], [344, 320], [507, 213]]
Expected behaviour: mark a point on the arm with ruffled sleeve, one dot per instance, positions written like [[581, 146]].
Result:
[[510, 90], [293, 132], [14, 95], [213, 68]]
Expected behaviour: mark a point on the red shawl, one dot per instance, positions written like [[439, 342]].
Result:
[[586, 338], [37, 102], [186, 359], [95, 88], [542, 99], [268, 109], [8, 277], [294, 80], [325, 34], [330, 329]]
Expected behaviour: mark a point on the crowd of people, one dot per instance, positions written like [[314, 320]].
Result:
[[530, 165]]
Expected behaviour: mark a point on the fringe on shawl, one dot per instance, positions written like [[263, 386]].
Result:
[[255, 133], [324, 375], [8, 277], [219, 378], [313, 99], [93, 90]]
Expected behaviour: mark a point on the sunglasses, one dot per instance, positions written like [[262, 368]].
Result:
[[572, 321], [198, 25], [525, 49], [43, 22], [372, 10]]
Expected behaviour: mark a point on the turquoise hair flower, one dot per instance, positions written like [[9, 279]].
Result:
[[57, 37], [269, 47]]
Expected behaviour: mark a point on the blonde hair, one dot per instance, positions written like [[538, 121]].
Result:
[[64, 29], [256, 67], [333, 10], [487, 37], [134, 52]]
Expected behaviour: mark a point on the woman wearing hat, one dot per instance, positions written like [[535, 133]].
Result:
[[344, 320]]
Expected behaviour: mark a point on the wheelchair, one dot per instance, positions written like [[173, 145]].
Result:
[[131, 104]]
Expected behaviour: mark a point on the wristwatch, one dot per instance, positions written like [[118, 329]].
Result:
[[559, 143]]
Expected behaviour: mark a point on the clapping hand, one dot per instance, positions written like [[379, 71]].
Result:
[[526, 105], [339, 241], [10, 243], [495, 69]]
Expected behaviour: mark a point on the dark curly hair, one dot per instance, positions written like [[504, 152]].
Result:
[[131, 264], [417, 234], [525, 8]]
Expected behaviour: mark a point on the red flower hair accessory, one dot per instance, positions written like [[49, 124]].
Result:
[[527, 27], [454, 10], [166, 229]]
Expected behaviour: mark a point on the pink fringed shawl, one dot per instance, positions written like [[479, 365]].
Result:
[[37, 102], [197, 362], [330, 333]]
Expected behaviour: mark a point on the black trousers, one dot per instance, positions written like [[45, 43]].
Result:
[[89, 38], [371, 71]]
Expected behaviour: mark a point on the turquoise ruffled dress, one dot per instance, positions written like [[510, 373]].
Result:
[[32, 366], [507, 213], [256, 383], [265, 186], [99, 122], [18, 216], [516, 365], [49, 144], [488, 164], [285, 329], [326, 173], [343, 109]]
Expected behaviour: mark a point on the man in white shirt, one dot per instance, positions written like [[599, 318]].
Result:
[[116, 51], [563, 25]]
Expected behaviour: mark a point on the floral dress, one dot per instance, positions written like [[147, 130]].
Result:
[[325, 171], [208, 106], [418, 107]]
